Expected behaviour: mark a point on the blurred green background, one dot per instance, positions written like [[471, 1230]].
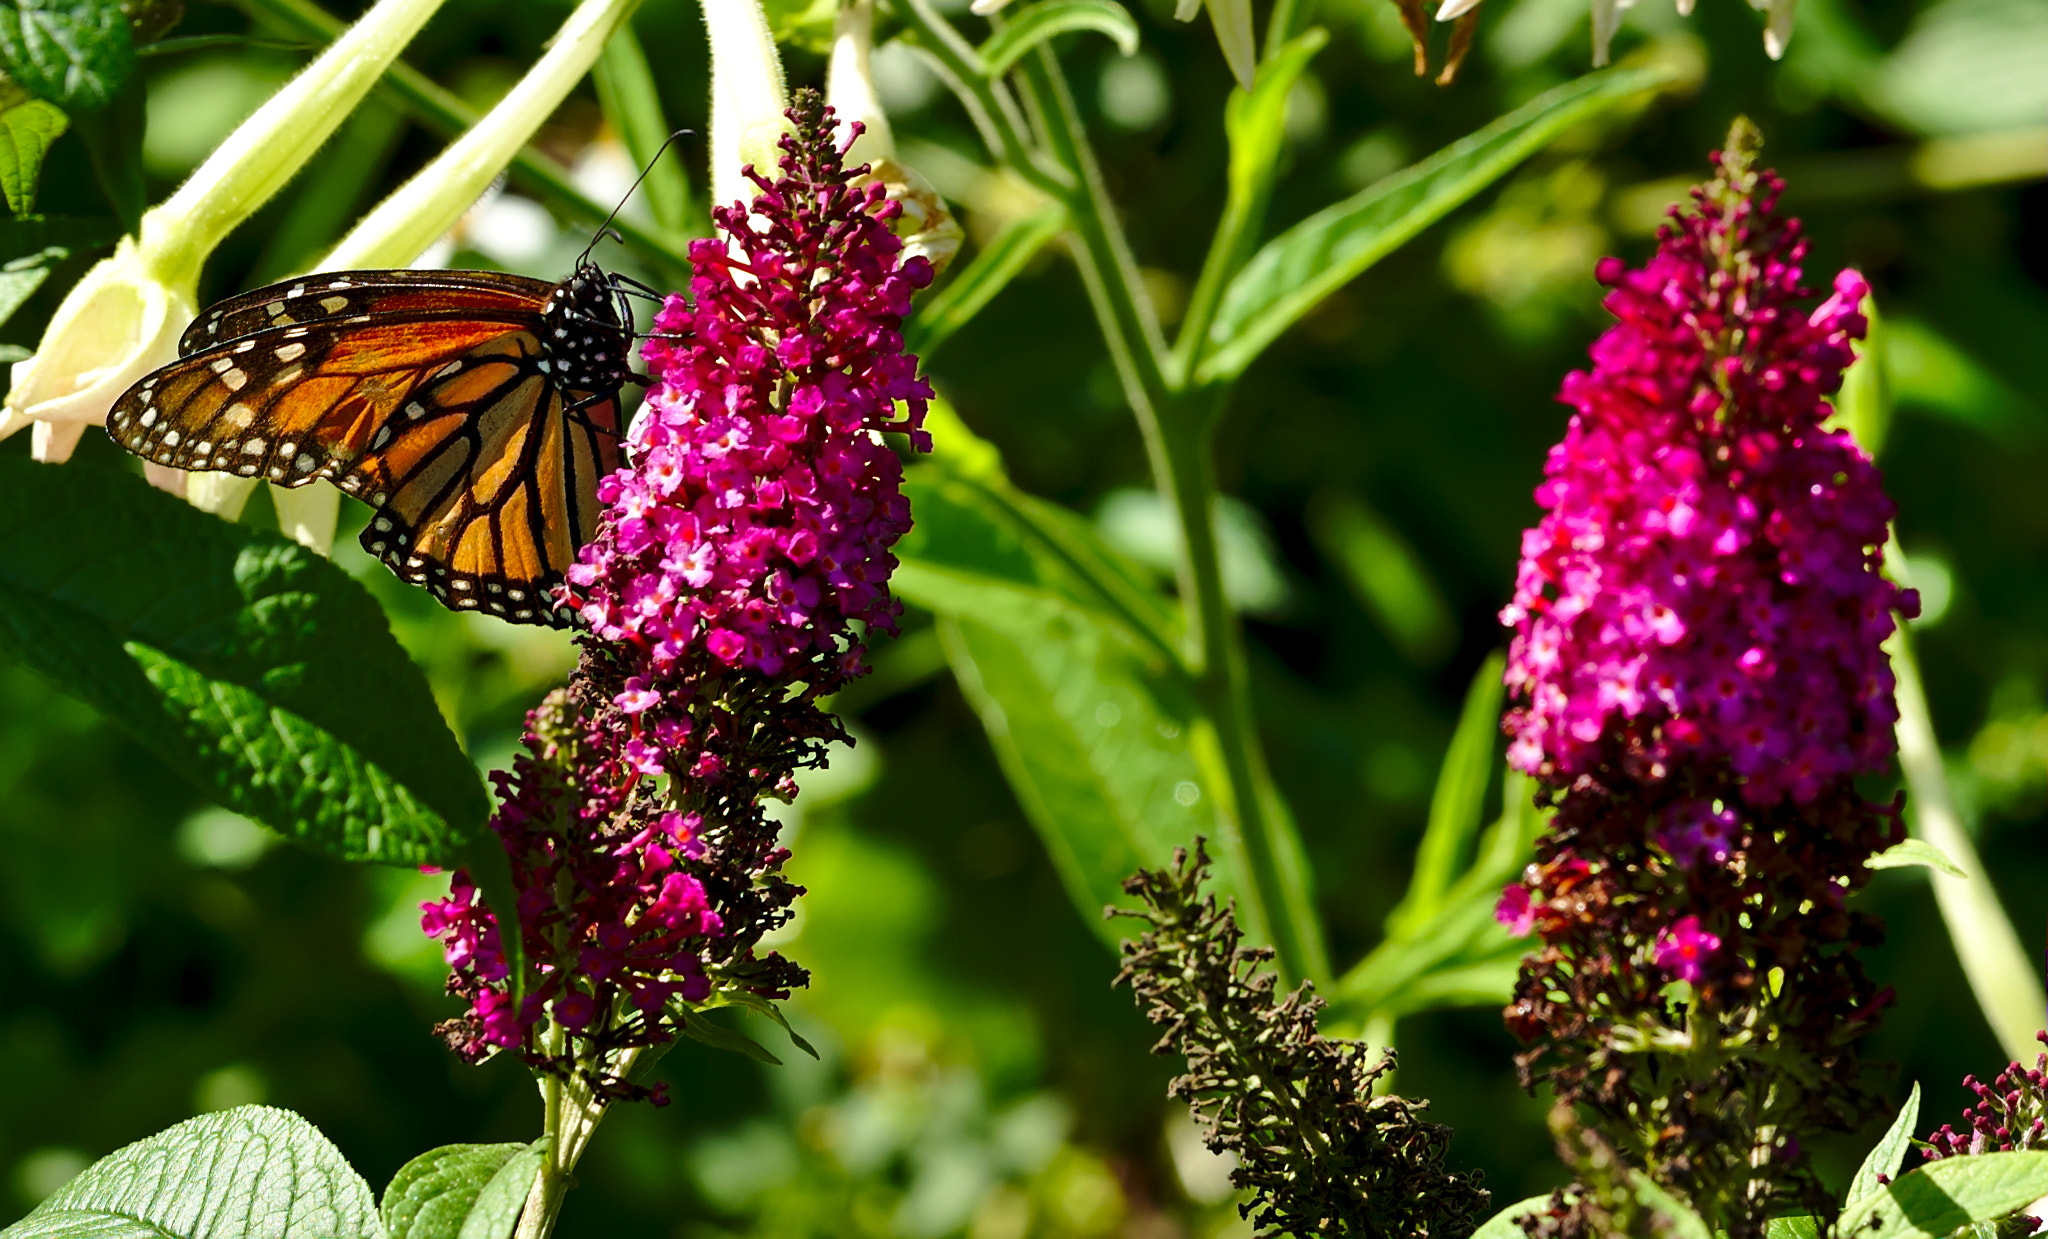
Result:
[[159, 957]]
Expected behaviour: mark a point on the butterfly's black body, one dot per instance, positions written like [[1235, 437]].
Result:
[[474, 411], [587, 333]]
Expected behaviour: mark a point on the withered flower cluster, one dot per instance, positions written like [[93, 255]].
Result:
[[1319, 1152]]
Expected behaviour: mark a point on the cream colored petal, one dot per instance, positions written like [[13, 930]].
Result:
[[165, 478], [748, 97], [114, 326], [850, 84], [222, 494], [1778, 28], [1454, 9], [307, 515], [983, 8], [53, 442]]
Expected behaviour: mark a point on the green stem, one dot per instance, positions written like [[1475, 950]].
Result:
[[2000, 971], [447, 115], [1177, 427], [570, 1114]]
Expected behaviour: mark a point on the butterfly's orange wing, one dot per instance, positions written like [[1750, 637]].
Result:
[[428, 398]]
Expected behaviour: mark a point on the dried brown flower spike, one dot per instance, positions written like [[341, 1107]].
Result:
[[1319, 1152]]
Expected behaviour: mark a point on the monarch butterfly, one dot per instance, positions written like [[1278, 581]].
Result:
[[474, 411]]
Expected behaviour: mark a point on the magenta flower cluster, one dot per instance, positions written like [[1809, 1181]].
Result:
[[1703, 587], [756, 521], [610, 918], [742, 556], [2011, 1113], [1696, 675]]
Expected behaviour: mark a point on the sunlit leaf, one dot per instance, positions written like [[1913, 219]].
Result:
[[28, 127], [1295, 271], [462, 1191], [1940, 1198], [1887, 1155], [248, 1173]]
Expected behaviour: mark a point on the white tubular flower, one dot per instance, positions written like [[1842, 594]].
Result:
[[748, 97], [399, 229], [123, 319], [927, 226]]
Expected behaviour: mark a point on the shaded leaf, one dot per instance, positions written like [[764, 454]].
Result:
[[1457, 806], [76, 54], [249, 664], [1095, 742], [1680, 1222], [1295, 271], [20, 278], [248, 1173]]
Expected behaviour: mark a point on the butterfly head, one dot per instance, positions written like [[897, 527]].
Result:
[[586, 328]]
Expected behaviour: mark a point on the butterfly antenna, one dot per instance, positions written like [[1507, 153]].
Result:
[[605, 229]]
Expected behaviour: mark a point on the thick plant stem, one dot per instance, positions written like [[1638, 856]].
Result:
[[1254, 831], [571, 1115], [2001, 974]]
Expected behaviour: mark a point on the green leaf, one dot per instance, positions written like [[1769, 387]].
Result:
[[733, 996], [1070, 657], [1680, 1221], [20, 278], [1459, 801], [1502, 1225], [1888, 1155], [1095, 741], [975, 531], [1295, 271], [1256, 124], [462, 1191], [1940, 1198], [32, 235], [1041, 21], [249, 664], [76, 54], [1916, 852], [28, 127], [1256, 120], [248, 1173], [1802, 1226], [993, 267], [699, 1027]]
